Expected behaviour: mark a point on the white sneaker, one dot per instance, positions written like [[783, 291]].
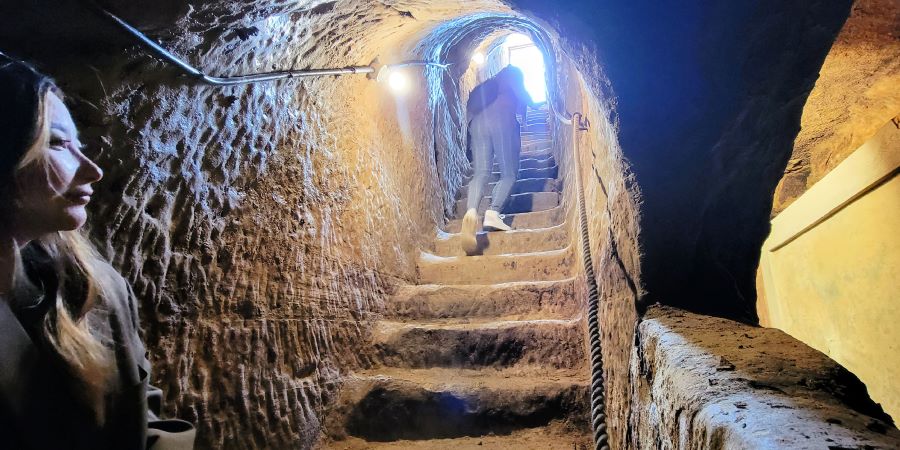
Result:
[[468, 230], [493, 221]]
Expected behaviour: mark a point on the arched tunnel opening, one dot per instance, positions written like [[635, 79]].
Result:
[[702, 195]]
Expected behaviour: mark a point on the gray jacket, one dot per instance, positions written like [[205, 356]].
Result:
[[39, 405]]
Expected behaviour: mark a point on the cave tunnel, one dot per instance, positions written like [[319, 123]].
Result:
[[704, 250]]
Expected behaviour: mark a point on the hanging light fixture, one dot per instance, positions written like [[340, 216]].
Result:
[[397, 75], [398, 82]]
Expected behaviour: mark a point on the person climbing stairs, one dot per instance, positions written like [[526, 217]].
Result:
[[484, 351]]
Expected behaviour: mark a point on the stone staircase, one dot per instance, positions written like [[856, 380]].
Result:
[[487, 351]]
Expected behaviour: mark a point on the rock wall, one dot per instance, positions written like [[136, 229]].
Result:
[[707, 101], [611, 206], [854, 96], [708, 383], [260, 225]]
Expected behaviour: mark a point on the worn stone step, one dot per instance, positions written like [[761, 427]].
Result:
[[548, 172], [525, 186], [519, 300], [535, 129], [539, 153], [501, 242], [535, 219], [529, 136], [544, 343], [545, 172], [389, 404], [532, 163], [533, 266], [522, 186], [537, 172], [544, 160], [536, 138], [556, 436], [538, 146], [529, 201]]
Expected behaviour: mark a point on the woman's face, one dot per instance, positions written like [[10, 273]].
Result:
[[53, 197]]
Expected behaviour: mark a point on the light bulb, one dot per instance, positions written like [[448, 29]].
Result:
[[478, 58], [399, 82]]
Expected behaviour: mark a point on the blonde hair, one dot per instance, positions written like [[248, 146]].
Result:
[[66, 330]]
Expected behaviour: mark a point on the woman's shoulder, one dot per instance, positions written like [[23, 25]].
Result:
[[118, 296], [118, 308], [115, 285]]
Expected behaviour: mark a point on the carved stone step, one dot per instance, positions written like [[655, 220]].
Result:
[[556, 344], [520, 300], [390, 404], [531, 163], [535, 219], [522, 186], [548, 172], [501, 242], [530, 201], [534, 266]]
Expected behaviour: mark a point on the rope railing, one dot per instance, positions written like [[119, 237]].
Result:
[[597, 389]]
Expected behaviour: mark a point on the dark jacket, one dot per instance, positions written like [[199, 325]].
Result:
[[40, 406]]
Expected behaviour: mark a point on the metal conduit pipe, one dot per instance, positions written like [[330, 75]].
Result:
[[598, 389], [192, 71]]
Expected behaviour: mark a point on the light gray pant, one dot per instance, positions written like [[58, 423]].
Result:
[[493, 136]]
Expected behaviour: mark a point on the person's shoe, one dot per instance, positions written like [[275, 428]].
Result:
[[468, 230], [493, 221]]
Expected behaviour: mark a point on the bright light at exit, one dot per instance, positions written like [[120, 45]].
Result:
[[399, 82], [478, 58], [517, 39], [530, 59]]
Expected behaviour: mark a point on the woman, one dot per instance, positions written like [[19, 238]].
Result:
[[73, 374], [493, 128]]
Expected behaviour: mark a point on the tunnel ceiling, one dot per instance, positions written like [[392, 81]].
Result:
[[389, 30]]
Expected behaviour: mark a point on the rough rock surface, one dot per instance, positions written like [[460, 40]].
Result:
[[611, 207], [855, 95], [264, 227], [708, 383], [261, 225], [556, 437], [515, 364], [707, 102]]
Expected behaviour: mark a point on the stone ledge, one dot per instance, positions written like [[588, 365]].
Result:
[[706, 382]]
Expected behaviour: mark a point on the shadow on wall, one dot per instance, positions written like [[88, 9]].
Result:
[[708, 101]]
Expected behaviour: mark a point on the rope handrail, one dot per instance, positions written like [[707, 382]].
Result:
[[597, 394]]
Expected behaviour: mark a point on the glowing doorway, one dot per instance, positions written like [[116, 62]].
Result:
[[526, 56]]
